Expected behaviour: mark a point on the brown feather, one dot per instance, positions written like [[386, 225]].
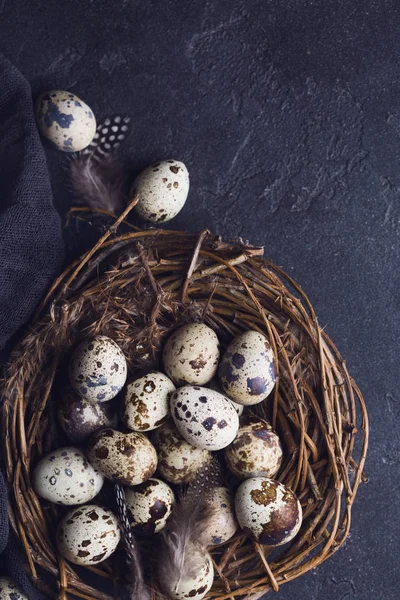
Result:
[[99, 182], [182, 554]]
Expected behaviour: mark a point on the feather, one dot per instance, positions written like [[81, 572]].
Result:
[[98, 183], [134, 586], [109, 135], [97, 176], [182, 555]]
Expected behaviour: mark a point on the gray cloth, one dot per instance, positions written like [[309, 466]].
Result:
[[31, 248]]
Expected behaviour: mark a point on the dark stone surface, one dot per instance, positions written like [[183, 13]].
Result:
[[287, 114]]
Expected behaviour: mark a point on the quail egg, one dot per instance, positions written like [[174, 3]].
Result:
[[214, 385], [178, 461], [65, 120], [196, 584], [204, 417], [222, 524], [255, 452], [162, 189], [146, 402], [268, 511], [191, 354], [10, 591], [87, 535], [80, 418], [66, 477], [247, 370], [149, 505], [127, 458], [98, 370], [238, 407]]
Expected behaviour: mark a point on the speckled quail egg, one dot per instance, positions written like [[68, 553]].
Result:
[[88, 535], [247, 370], [178, 461], [204, 417], [268, 511], [256, 451], [238, 407], [146, 402], [66, 477], [65, 120], [149, 505], [215, 385], [80, 418], [10, 591], [222, 524], [191, 354], [162, 189], [196, 584], [98, 370], [127, 458]]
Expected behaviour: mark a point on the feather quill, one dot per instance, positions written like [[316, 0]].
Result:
[[134, 587], [97, 177], [182, 555]]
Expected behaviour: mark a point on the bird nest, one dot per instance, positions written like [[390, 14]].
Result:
[[135, 287]]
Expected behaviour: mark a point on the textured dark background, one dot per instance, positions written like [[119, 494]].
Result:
[[287, 114]]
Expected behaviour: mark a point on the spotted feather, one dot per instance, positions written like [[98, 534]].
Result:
[[134, 587], [110, 133]]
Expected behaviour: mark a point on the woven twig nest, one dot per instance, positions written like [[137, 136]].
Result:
[[135, 288]]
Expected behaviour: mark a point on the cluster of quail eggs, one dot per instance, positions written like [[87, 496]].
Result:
[[69, 124], [155, 432]]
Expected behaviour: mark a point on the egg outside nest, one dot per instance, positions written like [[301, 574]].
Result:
[[65, 120], [162, 190]]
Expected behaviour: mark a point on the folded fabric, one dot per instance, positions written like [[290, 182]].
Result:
[[31, 248]]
